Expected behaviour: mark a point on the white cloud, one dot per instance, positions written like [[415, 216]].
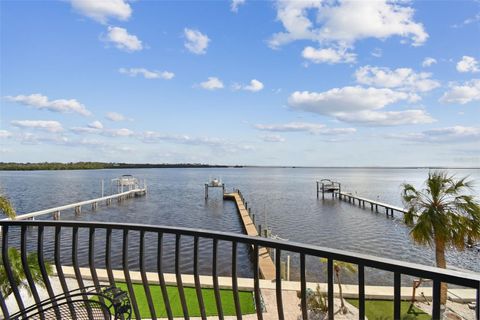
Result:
[[313, 128], [51, 126], [147, 74], [123, 40], [272, 138], [468, 21], [123, 132], [346, 99], [328, 55], [468, 64], [216, 143], [115, 116], [196, 42], [386, 118], [428, 61], [213, 83], [40, 101], [96, 125], [5, 134], [402, 78], [446, 134], [102, 10], [462, 94], [377, 52], [254, 86], [345, 22], [235, 4], [359, 105]]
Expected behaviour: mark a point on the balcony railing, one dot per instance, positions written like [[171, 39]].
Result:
[[59, 243]]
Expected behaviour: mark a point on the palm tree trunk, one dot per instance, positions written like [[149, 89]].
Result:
[[441, 263], [340, 291]]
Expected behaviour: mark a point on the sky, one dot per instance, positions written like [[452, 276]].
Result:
[[288, 83]]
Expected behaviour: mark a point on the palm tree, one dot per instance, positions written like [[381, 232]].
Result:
[[15, 261], [18, 273], [442, 215], [338, 266], [7, 208]]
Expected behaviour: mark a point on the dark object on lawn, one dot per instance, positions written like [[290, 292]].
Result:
[[89, 303]]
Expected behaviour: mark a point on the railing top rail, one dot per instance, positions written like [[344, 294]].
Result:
[[467, 279]]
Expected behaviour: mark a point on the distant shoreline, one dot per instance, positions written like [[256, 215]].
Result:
[[14, 166]]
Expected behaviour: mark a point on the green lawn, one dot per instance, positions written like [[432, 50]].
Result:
[[246, 301], [383, 310]]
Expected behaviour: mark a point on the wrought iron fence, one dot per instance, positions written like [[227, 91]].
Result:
[[22, 232]]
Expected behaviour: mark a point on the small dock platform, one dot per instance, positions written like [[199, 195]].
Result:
[[374, 205], [265, 263], [328, 186]]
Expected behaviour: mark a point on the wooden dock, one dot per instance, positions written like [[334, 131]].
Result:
[[374, 205], [55, 212], [265, 263]]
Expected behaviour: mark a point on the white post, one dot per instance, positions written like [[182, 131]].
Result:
[[288, 268], [103, 188]]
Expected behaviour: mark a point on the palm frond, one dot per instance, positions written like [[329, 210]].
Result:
[[7, 208]]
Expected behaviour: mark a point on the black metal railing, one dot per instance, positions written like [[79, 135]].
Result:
[[65, 245]]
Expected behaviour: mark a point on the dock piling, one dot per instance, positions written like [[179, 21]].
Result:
[[56, 215]]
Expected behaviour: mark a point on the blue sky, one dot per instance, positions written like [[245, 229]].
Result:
[[303, 83]]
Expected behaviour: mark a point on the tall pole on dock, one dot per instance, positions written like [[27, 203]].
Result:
[[103, 188]]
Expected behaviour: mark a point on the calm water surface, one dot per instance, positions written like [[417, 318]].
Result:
[[282, 198]]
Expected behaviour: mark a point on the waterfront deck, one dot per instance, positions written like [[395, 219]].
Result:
[[265, 263]]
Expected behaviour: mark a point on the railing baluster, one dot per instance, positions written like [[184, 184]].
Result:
[[216, 288], [330, 288], [126, 272], [91, 258], [236, 297], [91, 263], [8, 270], [303, 287], [58, 266], [436, 299], [198, 287], [76, 268], [161, 278], [256, 283], [477, 303], [361, 292], [146, 286], [396, 295], [26, 269], [43, 269], [278, 283], [108, 256], [178, 275]]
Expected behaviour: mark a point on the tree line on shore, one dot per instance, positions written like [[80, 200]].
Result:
[[98, 165]]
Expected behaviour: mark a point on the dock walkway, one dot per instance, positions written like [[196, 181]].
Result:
[[389, 209], [55, 212], [265, 263]]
